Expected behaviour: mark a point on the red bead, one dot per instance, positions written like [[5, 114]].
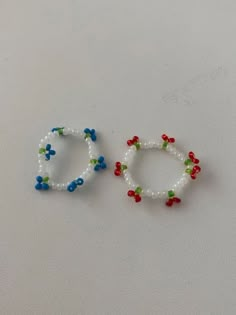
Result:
[[131, 193], [191, 155], [193, 176], [169, 202], [165, 137], [117, 172], [138, 198], [197, 169], [195, 161], [118, 165], [171, 140], [135, 138], [177, 200], [130, 142]]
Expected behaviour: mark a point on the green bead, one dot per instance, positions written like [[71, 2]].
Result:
[[60, 131], [93, 161], [42, 150], [124, 167], [171, 193], [138, 190], [46, 179], [188, 171], [188, 162], [138, 146], [165, 144]]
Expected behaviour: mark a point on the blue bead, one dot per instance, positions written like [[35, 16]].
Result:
[[70, 188], [73, 184], [39, 179], [97, 167], [38, 186], [87, 130], [94, 137], [103, 165], [101, 159], [92, 131], [54, 129], [52, 152], [48, 147], [45, 186], [47, 156], [79, 181]]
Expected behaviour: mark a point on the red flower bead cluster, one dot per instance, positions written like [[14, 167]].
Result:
[[135, 194], [119, 168], [172, 199], [167, 140], [134, 141], [191, 161]]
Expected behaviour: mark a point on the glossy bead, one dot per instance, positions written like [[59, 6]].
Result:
[[164, 137], [118, 165], [177, 200], [195, 161], [130, 142], [45, 186], [103, 165], [191, 155], [52, 152], [101, 159], [38, 186], [197, 169], [193, 176], [39, 179], [48, 147], [171, 140], [135, 138], [131, 193], [137, 198], [169, 202], [79, 181], [117, 172], [97, 167]]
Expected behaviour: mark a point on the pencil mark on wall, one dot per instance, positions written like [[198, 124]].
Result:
[[183, 95]]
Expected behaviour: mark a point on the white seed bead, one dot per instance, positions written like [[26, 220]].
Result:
[[148, 193]]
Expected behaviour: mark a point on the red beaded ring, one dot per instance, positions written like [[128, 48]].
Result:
[[171, 196]]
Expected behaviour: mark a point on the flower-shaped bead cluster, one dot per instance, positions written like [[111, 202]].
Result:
[[172, 199], [192, 168], [136, 194], [119, 168], [59, 130], [42, 183], [166, 141], [135, 141], [74, 184], [47, 152], [99, 164], [90, 133]]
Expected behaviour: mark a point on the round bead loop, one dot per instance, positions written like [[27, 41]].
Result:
[[166, 143], [47, 153]]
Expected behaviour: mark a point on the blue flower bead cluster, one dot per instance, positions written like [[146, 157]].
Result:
[[99, 163], [47, 151], [90, 133], [59, 130], [42, 183], [74, 184]]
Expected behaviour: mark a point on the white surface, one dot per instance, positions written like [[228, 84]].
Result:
[[124, 67]]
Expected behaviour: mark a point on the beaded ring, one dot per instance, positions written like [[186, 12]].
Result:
[[171, 196], [47, 152]]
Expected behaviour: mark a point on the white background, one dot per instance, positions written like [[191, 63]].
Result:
[[123, 67]]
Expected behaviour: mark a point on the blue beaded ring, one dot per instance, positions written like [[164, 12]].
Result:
[[46, 152]]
